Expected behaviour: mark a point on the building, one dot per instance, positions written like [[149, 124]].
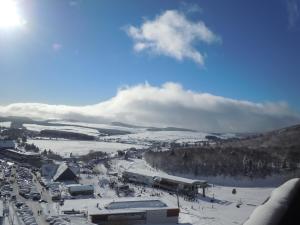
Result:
[[64, 174], [49, 169], [80, 189], [123, 211], [138, 177], [165, 181], [21, 156], [1, 212], [5, 144]]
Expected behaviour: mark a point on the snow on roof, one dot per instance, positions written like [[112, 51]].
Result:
[[273, 210], [121, 205], [136, 204], [60, 170], [159, 176]]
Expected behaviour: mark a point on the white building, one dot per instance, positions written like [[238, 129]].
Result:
[[123, 210], [80, 189]]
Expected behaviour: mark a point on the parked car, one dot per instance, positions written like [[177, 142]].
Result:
[[42, 201], [35, 196]]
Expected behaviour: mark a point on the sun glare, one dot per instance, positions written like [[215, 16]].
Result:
[[9, 14]]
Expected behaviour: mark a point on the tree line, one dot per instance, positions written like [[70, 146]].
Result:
[[229, 161]]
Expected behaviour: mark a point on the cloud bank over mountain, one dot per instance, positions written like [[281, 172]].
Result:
[[168, 105]]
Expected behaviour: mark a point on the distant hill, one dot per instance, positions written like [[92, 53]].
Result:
[[256, 156], [169, 129], [17, 122], [120, 124], [282, 138]]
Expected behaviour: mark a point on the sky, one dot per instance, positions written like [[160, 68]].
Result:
[[229, 67]]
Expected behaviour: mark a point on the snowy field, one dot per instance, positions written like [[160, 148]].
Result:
[[139, 136], [164, 136], [80, 130], [142, 135], [5, 124], [65, 147]]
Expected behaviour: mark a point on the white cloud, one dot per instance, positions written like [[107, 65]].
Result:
[[172, 34], [293, 12], [169, 105]]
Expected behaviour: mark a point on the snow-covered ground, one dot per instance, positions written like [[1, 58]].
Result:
[[65, 147], [222, 211], [5, 124], [202, 211], [142, 135], [163, 136], [137, 136], [80, 130]]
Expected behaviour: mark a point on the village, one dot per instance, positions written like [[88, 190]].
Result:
[[110, 189]]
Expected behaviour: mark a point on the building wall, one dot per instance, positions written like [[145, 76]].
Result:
[[81, 192], [160, 216], [119, 219], [138, 178], [7, 144], [149, 217]]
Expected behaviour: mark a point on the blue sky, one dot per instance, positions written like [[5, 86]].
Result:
[[80, 52]]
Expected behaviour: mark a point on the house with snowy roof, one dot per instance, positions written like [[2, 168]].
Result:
[[64, 173]]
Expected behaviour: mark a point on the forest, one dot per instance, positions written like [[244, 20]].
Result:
[[227, 161]]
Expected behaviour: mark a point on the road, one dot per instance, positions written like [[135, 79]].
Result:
[[34, 205]]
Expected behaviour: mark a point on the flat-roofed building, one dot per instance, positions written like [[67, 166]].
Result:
[[139, 177], [123, 210], [80, 189], [22, 156], [165, 181]]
